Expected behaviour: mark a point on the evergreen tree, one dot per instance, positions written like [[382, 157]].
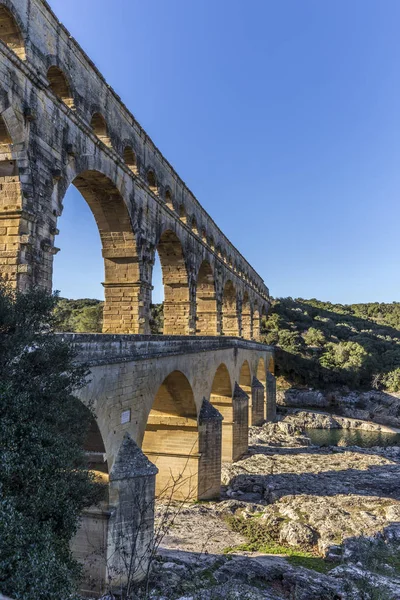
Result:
[[44, 479]]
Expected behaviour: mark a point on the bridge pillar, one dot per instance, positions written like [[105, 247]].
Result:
[[131, 523], [256, 408], [210, 450], [240, 425], [271, 397], [115, 539], [126, 307]]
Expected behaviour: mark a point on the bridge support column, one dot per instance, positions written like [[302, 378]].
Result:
[[271, 397], [126, 307], [210, 449], [256, 408], [240, 425], [131, 523]]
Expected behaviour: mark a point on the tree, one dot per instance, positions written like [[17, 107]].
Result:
[[44, 479], [314, 337]]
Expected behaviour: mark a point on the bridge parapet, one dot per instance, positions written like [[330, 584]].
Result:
[[97, 349]]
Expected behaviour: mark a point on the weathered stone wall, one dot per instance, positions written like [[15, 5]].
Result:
[[61, 124]]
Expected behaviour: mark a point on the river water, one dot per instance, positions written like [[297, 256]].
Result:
[[352, 437]]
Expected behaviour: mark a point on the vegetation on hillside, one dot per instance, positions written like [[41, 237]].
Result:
[[44, 479], [320, 344], [86, 316]]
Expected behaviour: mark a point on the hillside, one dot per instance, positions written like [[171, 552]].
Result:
[[320, 344]]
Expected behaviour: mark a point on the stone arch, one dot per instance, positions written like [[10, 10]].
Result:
[[168, 199], [246, 317], [230, 322], [245, 377], [261, 372], [11, 206], [245, 383], [182, 213], [130, 159], [271, 366], [123, 306], [206, 314], [11, 32], [193, 226], [211, 243], [100, 129], [221, 399], [176, 285], [171, 439], [152, 181], [204, 235], [60, 86]]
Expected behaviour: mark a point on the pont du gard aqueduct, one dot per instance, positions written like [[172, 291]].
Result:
[[169, 408]]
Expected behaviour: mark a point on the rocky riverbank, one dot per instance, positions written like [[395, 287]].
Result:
[[295, 522], [375, 406]]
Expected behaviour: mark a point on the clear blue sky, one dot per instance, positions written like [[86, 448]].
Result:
[[282, 116]]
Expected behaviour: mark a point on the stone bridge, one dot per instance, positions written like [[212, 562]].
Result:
[[182, 401], [62, 125]]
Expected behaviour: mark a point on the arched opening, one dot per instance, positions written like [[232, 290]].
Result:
[[99, 127], [246, 317], [176, 285], [204, 235], [193, 226], [10, 210], [245, 384], [10, 33], [115, 247], [152, 181], [182, 214], [256, 324], [245, 377], [206, 302], [261, 373], [168, 200], [221, 398], [130, 159], [271, 366], [230, 323], [59, 85], [171, 439], [211, 243]]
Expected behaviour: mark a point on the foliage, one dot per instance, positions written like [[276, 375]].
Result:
[[320, 344], [157, 318], [78, 316], [86, 316], [44, 479], [262, 537]]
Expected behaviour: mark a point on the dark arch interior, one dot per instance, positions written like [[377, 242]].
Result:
[[11, 34], [99, 126], [130, 159], [152, 181], [59, 85]]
